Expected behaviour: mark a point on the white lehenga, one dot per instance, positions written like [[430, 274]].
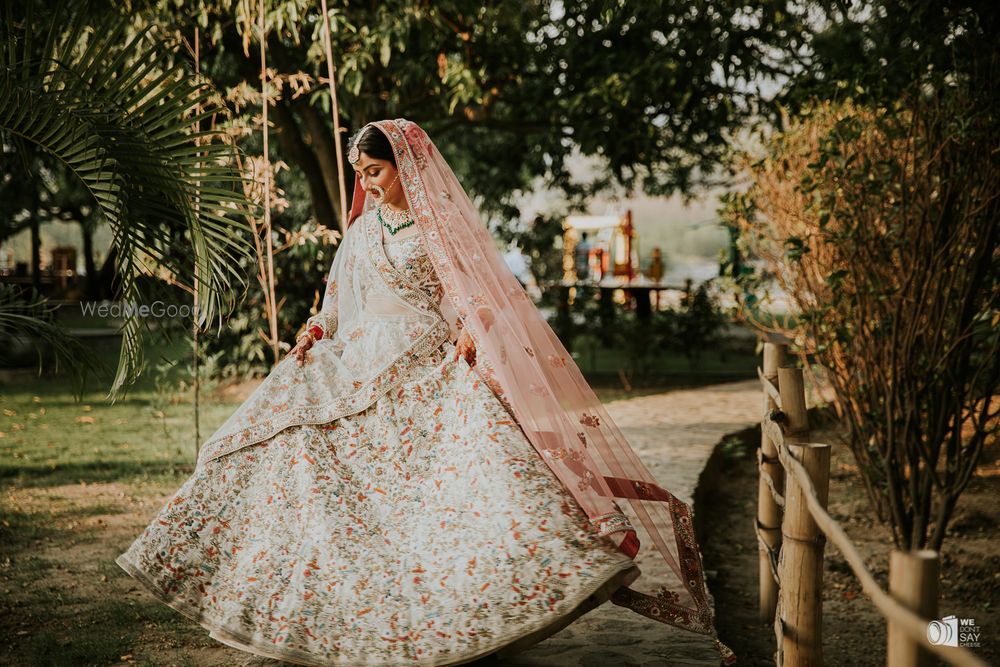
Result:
[[423, 529]]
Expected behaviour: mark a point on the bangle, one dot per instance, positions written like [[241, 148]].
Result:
[[313, 333]]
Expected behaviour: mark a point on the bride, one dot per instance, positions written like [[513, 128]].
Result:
[[426, 478]]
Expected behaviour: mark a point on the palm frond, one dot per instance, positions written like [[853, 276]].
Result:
[[118, 113]]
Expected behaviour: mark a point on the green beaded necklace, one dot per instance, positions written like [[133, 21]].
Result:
[[392, 230]]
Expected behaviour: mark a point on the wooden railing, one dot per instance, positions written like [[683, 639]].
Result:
[[793, 526]]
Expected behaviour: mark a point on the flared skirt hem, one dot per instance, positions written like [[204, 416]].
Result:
[[519, 639]]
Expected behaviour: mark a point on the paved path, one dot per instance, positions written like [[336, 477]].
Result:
[[674, 434]]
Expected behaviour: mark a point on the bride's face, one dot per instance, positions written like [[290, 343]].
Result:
[[380, 176]]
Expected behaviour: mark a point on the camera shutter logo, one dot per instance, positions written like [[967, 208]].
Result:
[[953, 631], [943, 632]]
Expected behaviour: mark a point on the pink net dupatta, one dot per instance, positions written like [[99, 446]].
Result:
[[533, 375]]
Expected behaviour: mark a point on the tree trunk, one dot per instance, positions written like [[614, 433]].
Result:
[[90, 283], [320, 137], [292, 145], [36, 244]]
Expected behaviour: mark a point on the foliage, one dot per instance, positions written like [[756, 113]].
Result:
[[509, 93], [641, 342], [117, 113], [880, 225], [523, 84], [695, 326], [877, 51], [689, 330], [301, 263]]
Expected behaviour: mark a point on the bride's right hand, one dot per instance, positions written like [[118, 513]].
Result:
[[301, 349]]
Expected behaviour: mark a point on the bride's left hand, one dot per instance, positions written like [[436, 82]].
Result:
[[466, 348]]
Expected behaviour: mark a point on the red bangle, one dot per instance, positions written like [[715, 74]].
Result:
[[316, 332]]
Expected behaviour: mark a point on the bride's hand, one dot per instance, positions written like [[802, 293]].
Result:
[[466, 348], [301, 349]]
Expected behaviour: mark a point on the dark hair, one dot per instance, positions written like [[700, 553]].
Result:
[[373, 142]]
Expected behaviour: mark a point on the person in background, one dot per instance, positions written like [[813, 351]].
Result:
[[655, 271], [582, 255]]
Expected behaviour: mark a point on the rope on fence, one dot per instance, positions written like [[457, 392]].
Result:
[[769, 387], [779, 499], [907, 621], [772, 555]]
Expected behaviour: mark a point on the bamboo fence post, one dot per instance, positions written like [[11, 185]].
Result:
[[793, 404], [195, 341], [269, 295], [768, 511], [913, 582], [801, 562]]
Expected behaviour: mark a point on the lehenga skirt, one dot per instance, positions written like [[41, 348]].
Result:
[[422, 530]]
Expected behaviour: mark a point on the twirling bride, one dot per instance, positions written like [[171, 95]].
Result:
[[426, 478]]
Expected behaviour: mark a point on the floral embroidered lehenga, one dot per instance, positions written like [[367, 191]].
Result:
[[423, 529], [387, 503]]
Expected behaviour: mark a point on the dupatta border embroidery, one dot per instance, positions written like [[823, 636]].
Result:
[[665, 606], [399, 371], [394, 279]]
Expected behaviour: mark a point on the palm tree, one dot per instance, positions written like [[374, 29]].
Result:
[[120, 112]]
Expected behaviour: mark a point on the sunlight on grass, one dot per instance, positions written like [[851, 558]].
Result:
[[49, 438]]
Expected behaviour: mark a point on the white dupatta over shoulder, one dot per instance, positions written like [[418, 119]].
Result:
[[376, 326]]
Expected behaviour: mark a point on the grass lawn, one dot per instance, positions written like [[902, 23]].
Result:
[[51, 438], [80, 479]]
